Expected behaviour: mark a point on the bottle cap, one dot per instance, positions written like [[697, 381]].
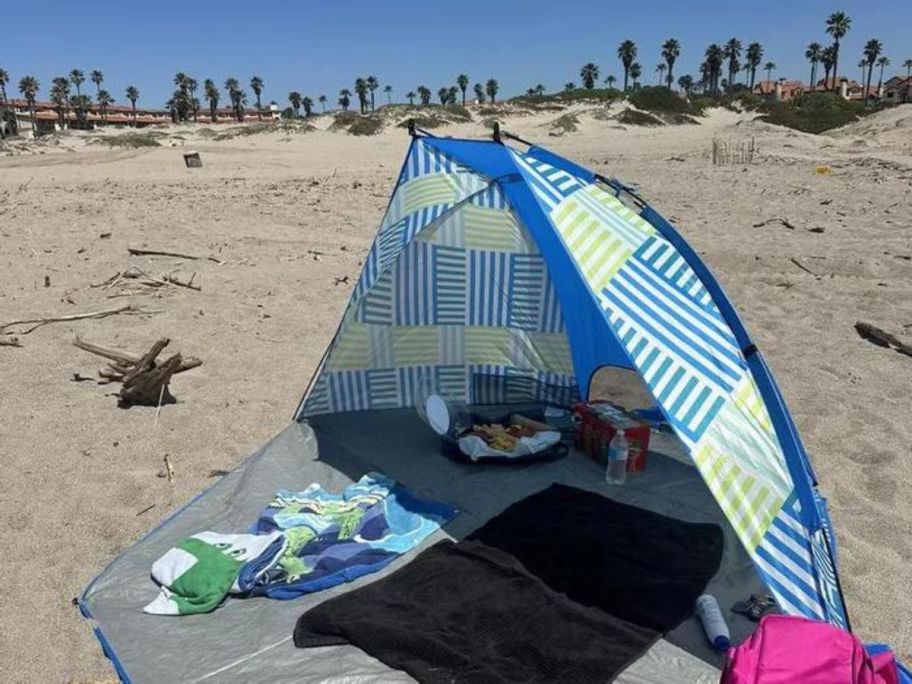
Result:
[[721, 643]]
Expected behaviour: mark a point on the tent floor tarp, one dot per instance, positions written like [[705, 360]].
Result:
[[250, 640]]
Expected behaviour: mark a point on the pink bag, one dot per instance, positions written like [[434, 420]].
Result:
[[786, 650]]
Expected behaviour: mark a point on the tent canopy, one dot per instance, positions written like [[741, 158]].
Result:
[[500, 275]]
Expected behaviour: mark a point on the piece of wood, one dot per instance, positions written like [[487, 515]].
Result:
[[169, 468], [882, 338], [173, 280], [11, 342], [135, 251], [124, 361], [145, 510], [776, 219], [802, 267], [39, 322]]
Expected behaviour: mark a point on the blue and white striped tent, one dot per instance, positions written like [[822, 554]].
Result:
[[501, 275]]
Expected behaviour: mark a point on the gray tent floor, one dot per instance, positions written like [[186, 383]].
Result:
[[250, 640]]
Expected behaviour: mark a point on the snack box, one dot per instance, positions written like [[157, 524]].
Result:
[[597, 422]]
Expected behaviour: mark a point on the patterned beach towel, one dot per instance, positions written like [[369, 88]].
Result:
[[335, 538]]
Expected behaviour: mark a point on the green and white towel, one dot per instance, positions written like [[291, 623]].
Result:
[[196, 575]]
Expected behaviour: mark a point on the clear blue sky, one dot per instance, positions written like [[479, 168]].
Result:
[[319, 47]]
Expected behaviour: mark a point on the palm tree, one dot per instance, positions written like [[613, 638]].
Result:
[[29, 87], [714, 56], [388, 89], [212, 96], [685, 83], [611, 80], [479, 93], [753, 57], [627, 53], [234, 94], [308, 104], [192, 87], [862, 64], [4, 79], [660, 70], [411, 97], [463, 82], [539, 90], [768, 68], [81, 105], [907, 64], [837, 25], [872, 50], [77, 78], [97, 78], [104, 99], [732, 52], [671, 50], [635, 72], [491, 88], [882, 62], [813, 54], [60, 91], [294, 97], [444, 95], [569, 85], [361, 92], [372, 85], [322, 101], [589, 75], [452, 94], [132, 94], [828, 59], [344, 99], [256, 85], [424, 93]]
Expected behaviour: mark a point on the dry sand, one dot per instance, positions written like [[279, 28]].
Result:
[[77, 471]]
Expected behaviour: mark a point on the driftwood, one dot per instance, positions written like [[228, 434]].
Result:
[[11, 342], [39, 322], [776, 219], [882, 338], [145, 381], [135, 251], [144, 279], [803, 267]]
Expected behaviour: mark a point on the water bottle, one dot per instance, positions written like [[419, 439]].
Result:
[[618, 451], [713, 623]]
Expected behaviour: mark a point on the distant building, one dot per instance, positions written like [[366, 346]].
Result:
[[48, 118], [783, 90], [849, 89], [897, 90]]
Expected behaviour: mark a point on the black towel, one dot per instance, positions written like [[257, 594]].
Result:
[[467, 613], [640, 566]]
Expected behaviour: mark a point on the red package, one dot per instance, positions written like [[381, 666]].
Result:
[[597, 422]]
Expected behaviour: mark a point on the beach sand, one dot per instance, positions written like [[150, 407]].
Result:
[[79, 474]]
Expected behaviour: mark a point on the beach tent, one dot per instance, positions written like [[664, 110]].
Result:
[[505, 275]]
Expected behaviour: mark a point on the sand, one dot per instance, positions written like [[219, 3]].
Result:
[[79, 474]]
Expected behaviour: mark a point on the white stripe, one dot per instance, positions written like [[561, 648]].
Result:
[[812, 603]]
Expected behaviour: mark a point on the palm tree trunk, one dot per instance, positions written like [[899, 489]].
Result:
[[625, 78], [835, 63], [34, 123]]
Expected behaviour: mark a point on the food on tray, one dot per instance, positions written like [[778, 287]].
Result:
[[502, 438]]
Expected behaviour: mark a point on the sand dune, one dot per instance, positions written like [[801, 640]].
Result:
[[78, 472]]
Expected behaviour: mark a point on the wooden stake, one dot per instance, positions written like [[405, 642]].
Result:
[[178, 255]]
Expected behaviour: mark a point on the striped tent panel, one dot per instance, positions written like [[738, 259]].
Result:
[[415, 345], [527, 289], [785, 558], [611, 212], [550, 184], [553, 352], [494, 229], [487, 384], [670, 265], [488, 346], [349, 390], [491, 198], [424, 161], [451, 339], [556, 388], [413, 280], [380, 346], [351, 351], [383, 388], [376, 306], [551, 319], [488, 287], [449, 285], [826, 573], [599, 252], [451, 381], [317, 401]]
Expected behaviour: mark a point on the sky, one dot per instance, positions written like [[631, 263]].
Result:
[[321, 47]]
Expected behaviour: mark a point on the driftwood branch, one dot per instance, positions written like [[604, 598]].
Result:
[[776, 219], [135, 251], [39, 322], [882, 338], [145, 380], [11, 342], [802, 267]]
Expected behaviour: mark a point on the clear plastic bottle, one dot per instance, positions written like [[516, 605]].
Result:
[[713, 622], [618, 452]]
